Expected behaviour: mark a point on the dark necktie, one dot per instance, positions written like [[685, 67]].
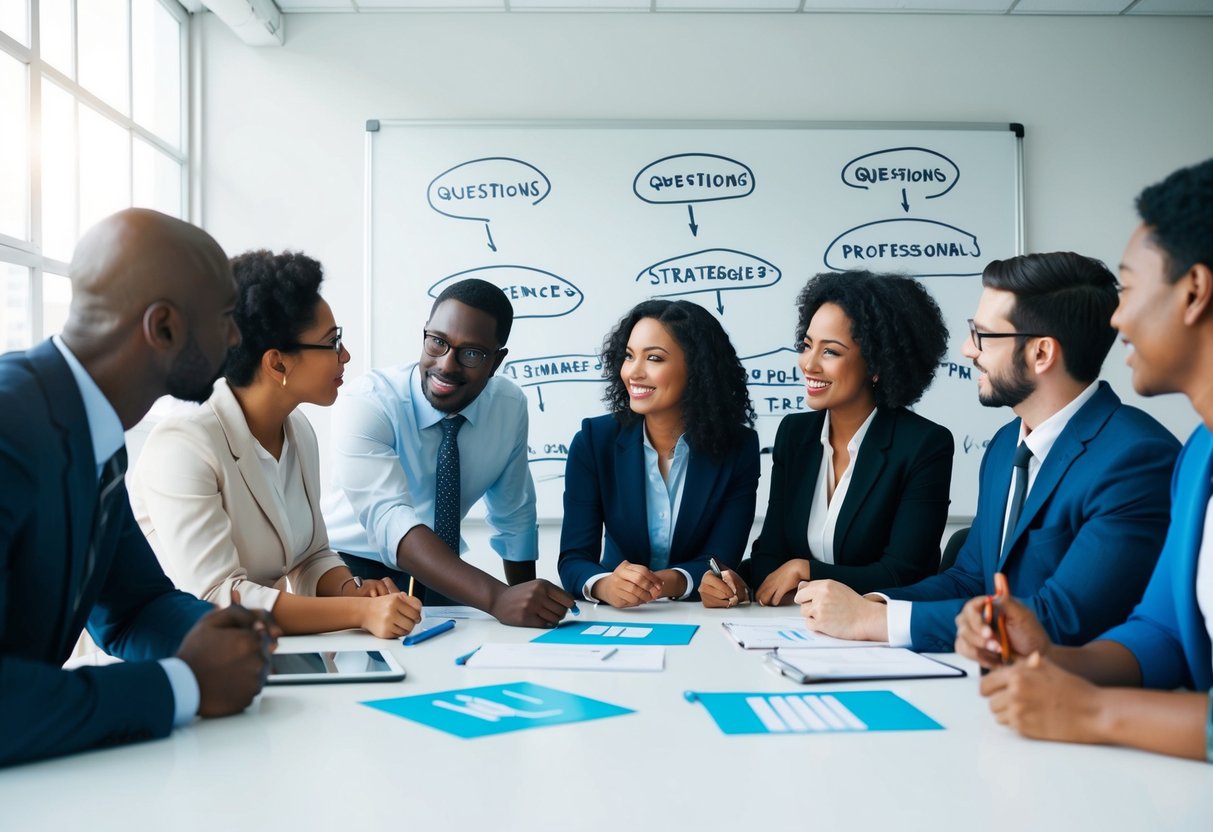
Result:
[[1023, 454], [112, 473], [446, 503]]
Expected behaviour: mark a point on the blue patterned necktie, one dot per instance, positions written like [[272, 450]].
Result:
[[446, 503]]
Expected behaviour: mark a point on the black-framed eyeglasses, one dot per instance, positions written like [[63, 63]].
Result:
[[977, 335], [466, 357], [334, 345]]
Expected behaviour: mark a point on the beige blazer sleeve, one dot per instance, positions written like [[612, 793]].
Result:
[[201, 496]]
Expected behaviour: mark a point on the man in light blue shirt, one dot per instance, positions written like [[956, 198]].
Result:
[[416, 447]]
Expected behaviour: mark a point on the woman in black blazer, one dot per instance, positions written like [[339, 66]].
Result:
[[860, 485]]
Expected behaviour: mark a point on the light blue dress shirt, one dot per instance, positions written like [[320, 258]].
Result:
[[662, 499], [385, 454], [105, 430]]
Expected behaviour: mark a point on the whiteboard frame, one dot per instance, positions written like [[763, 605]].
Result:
[[375, 126]]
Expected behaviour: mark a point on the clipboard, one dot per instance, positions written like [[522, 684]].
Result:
[[857, 664]]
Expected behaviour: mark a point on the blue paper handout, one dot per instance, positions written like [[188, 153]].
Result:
[[496, 709], [618, 633], [814, 713]]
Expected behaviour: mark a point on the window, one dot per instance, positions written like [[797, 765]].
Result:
[[92, 120]]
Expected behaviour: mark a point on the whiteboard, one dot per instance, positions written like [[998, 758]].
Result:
[[578, 221]]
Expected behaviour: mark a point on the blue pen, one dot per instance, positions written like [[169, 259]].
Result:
[[462, 660], [574, 610], [436, 630]]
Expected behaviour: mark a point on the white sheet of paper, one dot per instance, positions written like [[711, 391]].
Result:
[[863, 663], [530, 656], [769, 633], [443, 613]]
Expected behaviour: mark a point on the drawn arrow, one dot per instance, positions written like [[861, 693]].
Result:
[[539, 390], [694, 227], [492, 245], [720, 303], [905, 203]]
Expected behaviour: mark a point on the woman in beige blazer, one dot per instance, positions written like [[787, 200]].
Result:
[[229, 496]]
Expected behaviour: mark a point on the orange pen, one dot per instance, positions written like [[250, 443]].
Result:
[[995, 617]]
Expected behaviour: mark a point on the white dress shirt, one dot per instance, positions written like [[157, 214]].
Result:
[[286, 481], [1039, 441], [1204, 572], [828, 496]]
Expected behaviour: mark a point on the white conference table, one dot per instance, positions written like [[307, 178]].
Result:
[[310, 757]]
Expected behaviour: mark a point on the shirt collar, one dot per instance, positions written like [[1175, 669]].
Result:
[[104, 426], [1041, 440], [856, 440], [426, 414]]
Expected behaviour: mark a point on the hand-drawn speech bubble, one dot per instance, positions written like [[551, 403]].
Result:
[[535, 293], [553, 369], [777, 386], [923, 248], [910, 170], [710, 270], [693, 177], [477, 189]]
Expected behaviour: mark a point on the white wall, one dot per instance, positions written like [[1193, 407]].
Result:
[[1109, 104]]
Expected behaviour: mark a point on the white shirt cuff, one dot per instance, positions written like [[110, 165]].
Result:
[[690, 586], [897, 620], [585, 590], [186, 696]]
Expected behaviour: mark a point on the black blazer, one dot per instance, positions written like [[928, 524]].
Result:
[[894, 512]]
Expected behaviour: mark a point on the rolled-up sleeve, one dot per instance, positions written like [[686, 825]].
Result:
[[511, 503], [367, 468]]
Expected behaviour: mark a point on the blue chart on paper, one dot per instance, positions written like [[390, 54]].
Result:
[[847, 711], [618, 633], [496, 709]]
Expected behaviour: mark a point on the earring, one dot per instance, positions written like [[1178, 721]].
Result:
[[284, 379]]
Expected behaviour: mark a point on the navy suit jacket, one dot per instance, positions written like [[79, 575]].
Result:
[[604, 486], [1167, 632], [895, 508], [48, 496], [1087, 539]]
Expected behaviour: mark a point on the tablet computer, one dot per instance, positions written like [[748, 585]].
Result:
[[296, 668]]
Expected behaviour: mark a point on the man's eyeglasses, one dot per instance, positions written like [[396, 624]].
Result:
[[466, 357], [978, 335], [334, 345]]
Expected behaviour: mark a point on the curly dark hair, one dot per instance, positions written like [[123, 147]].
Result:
[[276, 297], [485, 296], [895, 321], [716, 406], [1179, 214]]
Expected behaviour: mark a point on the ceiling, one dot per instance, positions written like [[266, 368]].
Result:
[[988, 7]]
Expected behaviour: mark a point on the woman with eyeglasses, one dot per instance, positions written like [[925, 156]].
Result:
[[229, 495], [671, 474], [859, 483]]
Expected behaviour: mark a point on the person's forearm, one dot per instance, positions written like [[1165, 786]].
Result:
[[1106, 663], [422, 554], [298, 614], [1164, 722], [519, 571], [332, 581]]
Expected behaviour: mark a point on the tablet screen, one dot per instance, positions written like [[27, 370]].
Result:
[[330, 663]]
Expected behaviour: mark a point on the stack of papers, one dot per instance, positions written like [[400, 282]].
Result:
[[532, 656], [770, 633]]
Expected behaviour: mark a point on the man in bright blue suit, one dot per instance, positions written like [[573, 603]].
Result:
[[1073, 499], [1086, 694], [150, 314]]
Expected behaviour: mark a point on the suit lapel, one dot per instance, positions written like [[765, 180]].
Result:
[[702, 474], [873, 455], [79, 475], [240, 443], [806, 459], [1070, 445], [631, 491]]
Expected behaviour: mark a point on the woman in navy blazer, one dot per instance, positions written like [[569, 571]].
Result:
[[671, 473], [871, 513]]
